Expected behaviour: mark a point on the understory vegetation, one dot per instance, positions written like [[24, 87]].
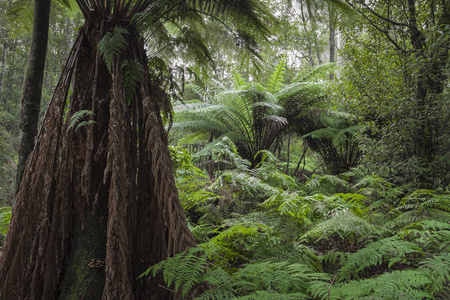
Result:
[[263, 235]]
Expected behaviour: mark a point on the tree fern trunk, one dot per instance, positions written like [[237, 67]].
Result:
[[98, 205]]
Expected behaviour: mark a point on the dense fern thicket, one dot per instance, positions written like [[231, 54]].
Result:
[[264, 235]]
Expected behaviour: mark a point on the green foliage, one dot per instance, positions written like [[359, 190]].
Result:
[[183, 270], [405, 284], [276, 80], [133, 76], [77, 119], [389, 250], [5, 219], [112, 44], [266, 237]]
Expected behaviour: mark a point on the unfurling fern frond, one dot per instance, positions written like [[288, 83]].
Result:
[[77, 119], [183, 270], [112, 44]]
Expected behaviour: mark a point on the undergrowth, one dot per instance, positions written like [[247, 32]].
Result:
[[262, 235]]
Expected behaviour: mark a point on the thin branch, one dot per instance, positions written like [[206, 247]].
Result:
[[376, 26], [380, 16], [329, 288]]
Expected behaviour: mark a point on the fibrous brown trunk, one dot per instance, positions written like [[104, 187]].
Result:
[[98, 203], [32, 85]]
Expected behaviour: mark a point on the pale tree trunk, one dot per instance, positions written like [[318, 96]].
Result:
[[332, 16], [32, 85], [2, 74], [315, 39]]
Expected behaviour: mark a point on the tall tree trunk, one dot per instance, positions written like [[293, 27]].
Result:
[[2, 72], [32, 86], [315, 39], [332, 16]]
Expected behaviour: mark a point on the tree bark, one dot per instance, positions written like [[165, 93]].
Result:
[[32, 86]]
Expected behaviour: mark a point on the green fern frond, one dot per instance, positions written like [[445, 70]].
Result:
[[112, 44], [438, 270], [132, 77], [238, 80], [406, 284], [280, 277], [389, 250], [276, 80], [431, 234], [318, 72], [266, 295], [344, 225], [184, 270], [77, 119]]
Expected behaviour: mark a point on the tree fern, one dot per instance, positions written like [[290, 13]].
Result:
[[235, 243]]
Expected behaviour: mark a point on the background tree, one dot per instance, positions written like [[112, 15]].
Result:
[[406, 113], [32, 86]]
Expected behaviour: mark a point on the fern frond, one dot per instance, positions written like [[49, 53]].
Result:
[[266, 295], [318, 72], [183, 270], [280, 277], [389, 250], [437, 269], [77, 119], [112, 44], [133, 76], [276, 80], [344, 225], [406, 284]]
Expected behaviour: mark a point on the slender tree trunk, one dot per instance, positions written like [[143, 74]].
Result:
[[32, 86], [315, 39], [2, 74], [288, 152], [332, 16]]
